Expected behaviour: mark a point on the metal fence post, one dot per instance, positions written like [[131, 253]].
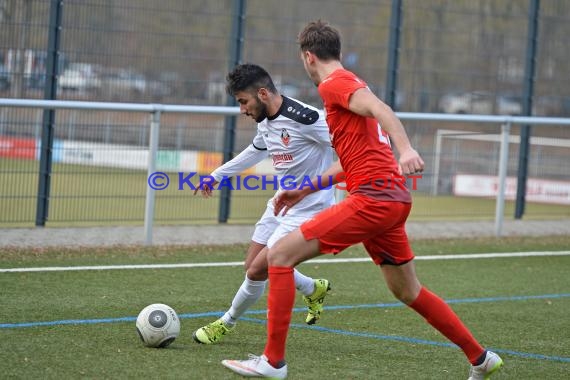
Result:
[[393, 53], [150, 192], [529, 74], [503, 167], [50, 93], [236, 47]]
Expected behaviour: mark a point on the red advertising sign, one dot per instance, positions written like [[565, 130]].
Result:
[[17, 148]]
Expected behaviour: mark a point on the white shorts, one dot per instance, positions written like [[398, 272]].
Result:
[[270, 228]]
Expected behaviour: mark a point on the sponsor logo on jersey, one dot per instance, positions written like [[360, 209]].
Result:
[[285, 137], [280, 158]]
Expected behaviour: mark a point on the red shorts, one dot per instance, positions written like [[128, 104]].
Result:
[[379, 225]]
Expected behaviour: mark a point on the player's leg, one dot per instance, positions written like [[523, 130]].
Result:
[[392, 251], [313, 290], [249, 291], [282, 258], [279, 306], [257, 271], [402, 281], [325, 233], [252, 252]]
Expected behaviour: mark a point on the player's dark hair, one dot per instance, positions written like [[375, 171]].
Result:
[[321, 39], [249, 77]]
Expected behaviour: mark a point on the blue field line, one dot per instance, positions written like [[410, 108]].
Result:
[[263, 312], [67, 322], [449, 301], [405, 339], [329, 330]]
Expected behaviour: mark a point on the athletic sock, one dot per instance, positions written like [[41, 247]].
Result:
[[305, 285], [248, 294], [481, 358], [443, 318], [279, 307]]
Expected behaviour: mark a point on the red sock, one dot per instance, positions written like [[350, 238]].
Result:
[[443, 318], [280, 303]]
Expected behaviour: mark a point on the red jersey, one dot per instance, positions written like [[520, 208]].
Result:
[[362, 146]]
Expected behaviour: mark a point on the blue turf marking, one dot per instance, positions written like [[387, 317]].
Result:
[[329, 330], [449, 301], [67, 322], [254, 312], [405, 339]]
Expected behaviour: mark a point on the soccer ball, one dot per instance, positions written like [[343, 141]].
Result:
[[158, 325]]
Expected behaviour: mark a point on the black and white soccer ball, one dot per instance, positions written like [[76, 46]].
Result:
[[158, 325]]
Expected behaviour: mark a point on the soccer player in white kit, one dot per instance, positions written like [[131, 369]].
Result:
[[295, 135]]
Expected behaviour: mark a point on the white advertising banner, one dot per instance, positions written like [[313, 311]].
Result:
[[129, 157], [96, 154], [538, 190], [188, 161]]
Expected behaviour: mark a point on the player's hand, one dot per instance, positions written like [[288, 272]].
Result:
[[410, 162], [206, 189], [286, 199]]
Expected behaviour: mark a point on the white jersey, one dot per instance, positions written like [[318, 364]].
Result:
[[297, 140]]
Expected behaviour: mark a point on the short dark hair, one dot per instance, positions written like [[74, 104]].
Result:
[[249, 77], [321, 39]]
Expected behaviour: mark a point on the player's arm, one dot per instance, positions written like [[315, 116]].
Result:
[[364, 102], [245, 160], [288, 198]]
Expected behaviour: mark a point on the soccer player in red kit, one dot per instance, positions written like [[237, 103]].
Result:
[[361, 128]]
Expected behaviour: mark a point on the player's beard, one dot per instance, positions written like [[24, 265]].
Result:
[[261, 109]]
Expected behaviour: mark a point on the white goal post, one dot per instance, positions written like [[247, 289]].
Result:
[[505, 139]]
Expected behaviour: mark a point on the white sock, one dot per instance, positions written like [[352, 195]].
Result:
[[304, 284], [248, 294]]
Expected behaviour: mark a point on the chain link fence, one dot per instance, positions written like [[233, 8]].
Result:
[[452, 57]]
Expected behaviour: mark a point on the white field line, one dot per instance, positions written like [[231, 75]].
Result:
[[314, 261]]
